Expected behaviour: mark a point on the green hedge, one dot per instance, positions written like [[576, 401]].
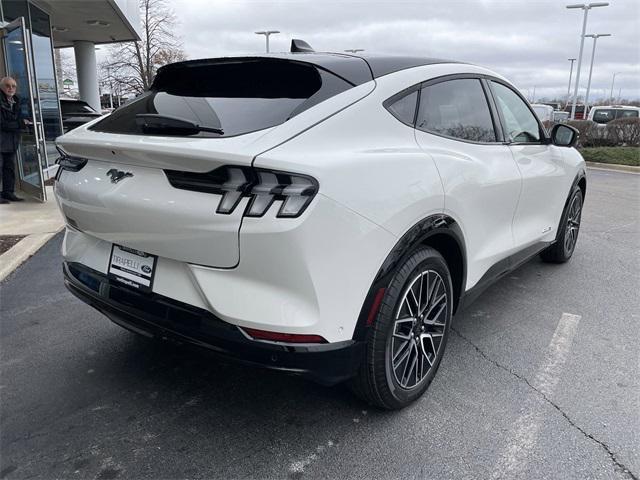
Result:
[[616, 155]]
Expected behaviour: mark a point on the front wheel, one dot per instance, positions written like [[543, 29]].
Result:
[[407, 340], [567, 237]]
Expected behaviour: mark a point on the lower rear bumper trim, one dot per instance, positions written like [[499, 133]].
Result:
[[161, 317]]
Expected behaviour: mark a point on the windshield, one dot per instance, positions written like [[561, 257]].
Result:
[[236, 97]]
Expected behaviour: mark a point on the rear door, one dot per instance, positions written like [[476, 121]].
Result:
[[457, 128], [545, 181]]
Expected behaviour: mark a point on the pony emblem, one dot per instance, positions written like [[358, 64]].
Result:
[[117, 175]]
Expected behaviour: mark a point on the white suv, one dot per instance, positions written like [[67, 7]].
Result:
[[320, 214]]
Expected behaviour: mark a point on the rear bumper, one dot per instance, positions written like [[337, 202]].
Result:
[[158, 316]]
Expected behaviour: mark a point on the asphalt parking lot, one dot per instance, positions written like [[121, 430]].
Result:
[[540, 380]]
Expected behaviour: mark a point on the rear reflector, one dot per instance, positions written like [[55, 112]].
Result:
[[283, 337], [375, 307]]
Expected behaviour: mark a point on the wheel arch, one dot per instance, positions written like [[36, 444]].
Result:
[[580, 180], [440, 232]]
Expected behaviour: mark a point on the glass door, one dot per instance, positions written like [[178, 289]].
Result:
[[16, 50], [44, 86]]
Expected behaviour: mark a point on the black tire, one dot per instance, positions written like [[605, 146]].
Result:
[[567, 236], [392, 335]]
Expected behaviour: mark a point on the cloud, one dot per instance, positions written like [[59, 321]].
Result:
[[528, 41]]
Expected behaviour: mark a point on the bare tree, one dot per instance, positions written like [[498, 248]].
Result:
[[133, 65]]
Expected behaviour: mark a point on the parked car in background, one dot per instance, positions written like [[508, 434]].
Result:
[[76, 113], [604, 114], [560, 116], [317, 221], [544, 113], [579, 111]]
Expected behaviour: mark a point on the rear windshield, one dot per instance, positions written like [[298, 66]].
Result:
[[226, 98]]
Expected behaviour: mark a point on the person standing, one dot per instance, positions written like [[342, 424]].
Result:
[[11, 125]]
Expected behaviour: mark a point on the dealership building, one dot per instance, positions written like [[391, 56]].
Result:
[[30, 31]]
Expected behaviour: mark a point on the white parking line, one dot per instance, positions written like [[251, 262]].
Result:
[[525, 432]]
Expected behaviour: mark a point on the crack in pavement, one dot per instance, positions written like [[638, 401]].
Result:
[[619, 466]]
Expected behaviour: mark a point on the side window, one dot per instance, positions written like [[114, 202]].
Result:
[[456, 108], [627, 114], [404, 109], [601, 115], [520, 123]]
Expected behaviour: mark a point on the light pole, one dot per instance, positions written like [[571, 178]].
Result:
[[595, 37], [266, 34], [354, 50], [586, 9], [613, 80], [570, 75]]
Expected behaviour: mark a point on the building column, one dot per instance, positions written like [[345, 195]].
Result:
[[85, 53]]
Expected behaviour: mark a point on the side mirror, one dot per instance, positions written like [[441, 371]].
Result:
[[564, 135]]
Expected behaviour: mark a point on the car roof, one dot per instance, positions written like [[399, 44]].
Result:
[[619, 107], [356, 69]]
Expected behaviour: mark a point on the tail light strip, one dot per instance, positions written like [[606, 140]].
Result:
[[261, 186]]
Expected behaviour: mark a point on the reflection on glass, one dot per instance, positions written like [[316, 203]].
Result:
[[17, 68], [45, 81]]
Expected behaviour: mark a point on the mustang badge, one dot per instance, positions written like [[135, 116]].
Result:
[[117, 175]]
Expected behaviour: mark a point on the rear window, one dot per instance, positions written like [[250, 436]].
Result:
[[232, 96], [627, 114]]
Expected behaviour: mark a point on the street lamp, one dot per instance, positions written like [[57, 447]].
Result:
[[595, 37], [266, 34], [613, 80], [354, 50], [570, 75], [586, 9]]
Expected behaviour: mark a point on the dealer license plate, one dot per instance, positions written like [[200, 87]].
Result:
[[132, 267]]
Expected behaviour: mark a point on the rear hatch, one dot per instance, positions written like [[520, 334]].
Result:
[[152, 176]]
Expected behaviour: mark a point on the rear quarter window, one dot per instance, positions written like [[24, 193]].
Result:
[[236, 97], [404, 108]]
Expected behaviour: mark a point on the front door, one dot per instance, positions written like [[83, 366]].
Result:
[[15, 49], [544, 174]]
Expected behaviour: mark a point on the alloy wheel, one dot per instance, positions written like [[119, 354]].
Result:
[[418, 329], [573, 224]]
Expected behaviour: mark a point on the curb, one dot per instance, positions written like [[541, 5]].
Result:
[[614, 167], [21, 251]]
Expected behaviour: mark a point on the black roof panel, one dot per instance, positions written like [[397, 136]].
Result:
[[385, 64], [356, 69]]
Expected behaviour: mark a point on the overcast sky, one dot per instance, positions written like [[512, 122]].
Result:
[[528, 41]]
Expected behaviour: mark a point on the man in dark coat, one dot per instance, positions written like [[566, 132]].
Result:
[[11, 124]]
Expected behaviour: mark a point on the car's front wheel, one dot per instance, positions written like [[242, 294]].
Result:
[[562, 250], [407, 340]]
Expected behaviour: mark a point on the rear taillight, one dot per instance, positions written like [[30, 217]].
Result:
[[68, 162], [261, 186], [282, 337]]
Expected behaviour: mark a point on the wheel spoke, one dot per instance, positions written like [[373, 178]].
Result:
[[405, 351], [424, 351], [407, 369], [433, 345], [420, 293], [406, 300], [415, 300]]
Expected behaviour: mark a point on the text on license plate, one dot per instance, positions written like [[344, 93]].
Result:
[[132, 267]]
